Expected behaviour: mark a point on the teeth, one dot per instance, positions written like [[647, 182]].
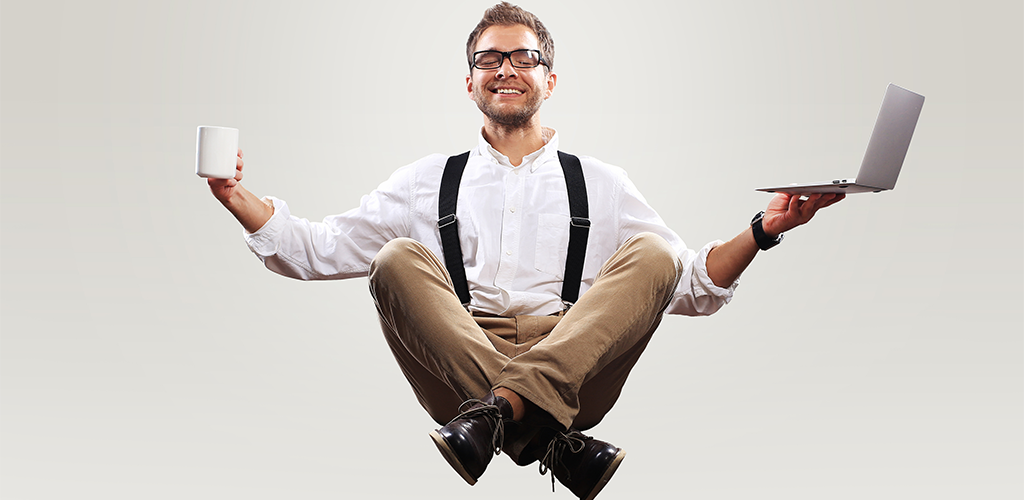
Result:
[[508, 91]]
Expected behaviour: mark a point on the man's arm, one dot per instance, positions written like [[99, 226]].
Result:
[[252, 212], [726, 262], [339, 247]]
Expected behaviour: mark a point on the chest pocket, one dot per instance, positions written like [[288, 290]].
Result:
[[552, 243]]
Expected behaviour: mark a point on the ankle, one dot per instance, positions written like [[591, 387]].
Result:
[[517, 402]]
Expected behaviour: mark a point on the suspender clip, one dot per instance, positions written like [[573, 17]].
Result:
[[447, 220], [580, 222]]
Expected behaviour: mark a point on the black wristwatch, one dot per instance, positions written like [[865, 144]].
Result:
[[763, 241]]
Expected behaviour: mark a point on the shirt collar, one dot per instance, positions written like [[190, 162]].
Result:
[[534, 160]]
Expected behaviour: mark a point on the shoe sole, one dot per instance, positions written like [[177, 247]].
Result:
[[453, 459], [607, 476]]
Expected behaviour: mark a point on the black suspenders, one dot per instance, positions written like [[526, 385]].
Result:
[[447, 200], [579, 225]]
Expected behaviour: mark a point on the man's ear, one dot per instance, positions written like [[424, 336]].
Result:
[[469, 85], [551, 80]]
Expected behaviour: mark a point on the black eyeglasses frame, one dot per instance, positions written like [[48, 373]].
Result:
[[508, 55]]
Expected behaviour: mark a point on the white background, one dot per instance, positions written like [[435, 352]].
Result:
[[147, 354]]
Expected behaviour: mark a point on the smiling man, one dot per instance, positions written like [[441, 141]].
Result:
[[517, 285], [509, 95]]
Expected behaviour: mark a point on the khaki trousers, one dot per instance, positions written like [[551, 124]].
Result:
[[572, 366]]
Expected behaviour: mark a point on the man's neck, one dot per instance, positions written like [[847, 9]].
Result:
[[516, 143]]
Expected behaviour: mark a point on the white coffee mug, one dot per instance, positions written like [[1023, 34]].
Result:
[[216, 152]]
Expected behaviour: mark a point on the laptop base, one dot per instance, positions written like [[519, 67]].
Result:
[[805, 189]]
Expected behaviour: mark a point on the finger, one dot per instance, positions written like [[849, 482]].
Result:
[[824, 201], [239, 152], [813, 202], [817, 203], [836, 199], [794, 203]]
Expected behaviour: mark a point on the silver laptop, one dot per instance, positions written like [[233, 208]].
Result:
[[886, 149]]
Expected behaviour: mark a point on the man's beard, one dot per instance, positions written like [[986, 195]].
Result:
[[513, 119]]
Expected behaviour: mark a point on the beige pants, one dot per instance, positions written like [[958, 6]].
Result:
[[572, 366]]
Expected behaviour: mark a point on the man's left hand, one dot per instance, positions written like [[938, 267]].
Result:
[[787, 211]]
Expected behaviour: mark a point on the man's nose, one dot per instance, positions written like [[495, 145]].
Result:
[[506, 69]]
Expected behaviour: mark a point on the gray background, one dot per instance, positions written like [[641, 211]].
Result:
[[147, 354]]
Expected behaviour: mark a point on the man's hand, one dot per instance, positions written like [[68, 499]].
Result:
[[250, 211], [787, 211], [222, 189]]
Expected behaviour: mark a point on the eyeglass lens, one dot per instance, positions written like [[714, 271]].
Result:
[[491, 59]]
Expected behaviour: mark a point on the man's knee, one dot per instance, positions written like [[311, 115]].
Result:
[[653, 249], [393, 256], [652, 242]]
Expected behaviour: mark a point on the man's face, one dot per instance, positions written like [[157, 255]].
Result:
[[507, 96]]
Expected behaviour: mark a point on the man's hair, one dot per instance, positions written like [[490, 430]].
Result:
[[506, 14]]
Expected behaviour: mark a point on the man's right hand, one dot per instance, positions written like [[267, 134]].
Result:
[[250, 211], [222, 189]]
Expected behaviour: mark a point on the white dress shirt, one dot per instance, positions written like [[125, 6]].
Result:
[[513, 226]]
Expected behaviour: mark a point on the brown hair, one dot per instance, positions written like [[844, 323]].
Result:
[[506, 14]]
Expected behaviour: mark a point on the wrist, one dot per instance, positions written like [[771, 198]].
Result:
[[250, 211], [763, 238]]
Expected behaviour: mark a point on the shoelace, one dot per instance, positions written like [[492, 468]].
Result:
[[493, 416], [574, 441]]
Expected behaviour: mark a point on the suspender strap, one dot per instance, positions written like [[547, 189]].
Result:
[[448, 224], [579, 226]]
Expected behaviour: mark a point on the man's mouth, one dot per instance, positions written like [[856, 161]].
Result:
[[503, 90]]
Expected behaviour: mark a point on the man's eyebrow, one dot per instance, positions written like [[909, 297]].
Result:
[[513, 50]]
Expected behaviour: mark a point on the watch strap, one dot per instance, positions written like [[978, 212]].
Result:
[[762, 239]]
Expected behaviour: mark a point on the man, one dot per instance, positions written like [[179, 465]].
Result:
[[517, 364]]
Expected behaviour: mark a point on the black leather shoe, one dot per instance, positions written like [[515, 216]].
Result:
[[470, 440], [581, 463]]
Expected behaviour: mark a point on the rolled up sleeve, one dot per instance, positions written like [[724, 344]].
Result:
[[696, 294], [265, 241]]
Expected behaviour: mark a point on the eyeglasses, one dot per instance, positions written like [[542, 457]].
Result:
[[493, 59]]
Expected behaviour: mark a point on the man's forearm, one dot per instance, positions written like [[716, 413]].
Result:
[[785, 211], [250, 211], [727, 261]]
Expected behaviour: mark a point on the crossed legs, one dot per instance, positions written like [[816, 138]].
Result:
[[570, 378]]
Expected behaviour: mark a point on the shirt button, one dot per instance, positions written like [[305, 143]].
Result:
[[508, 252], [513, 210]]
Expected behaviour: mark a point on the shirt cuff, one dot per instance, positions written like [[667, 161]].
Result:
[[266, 240], [702, 284]]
